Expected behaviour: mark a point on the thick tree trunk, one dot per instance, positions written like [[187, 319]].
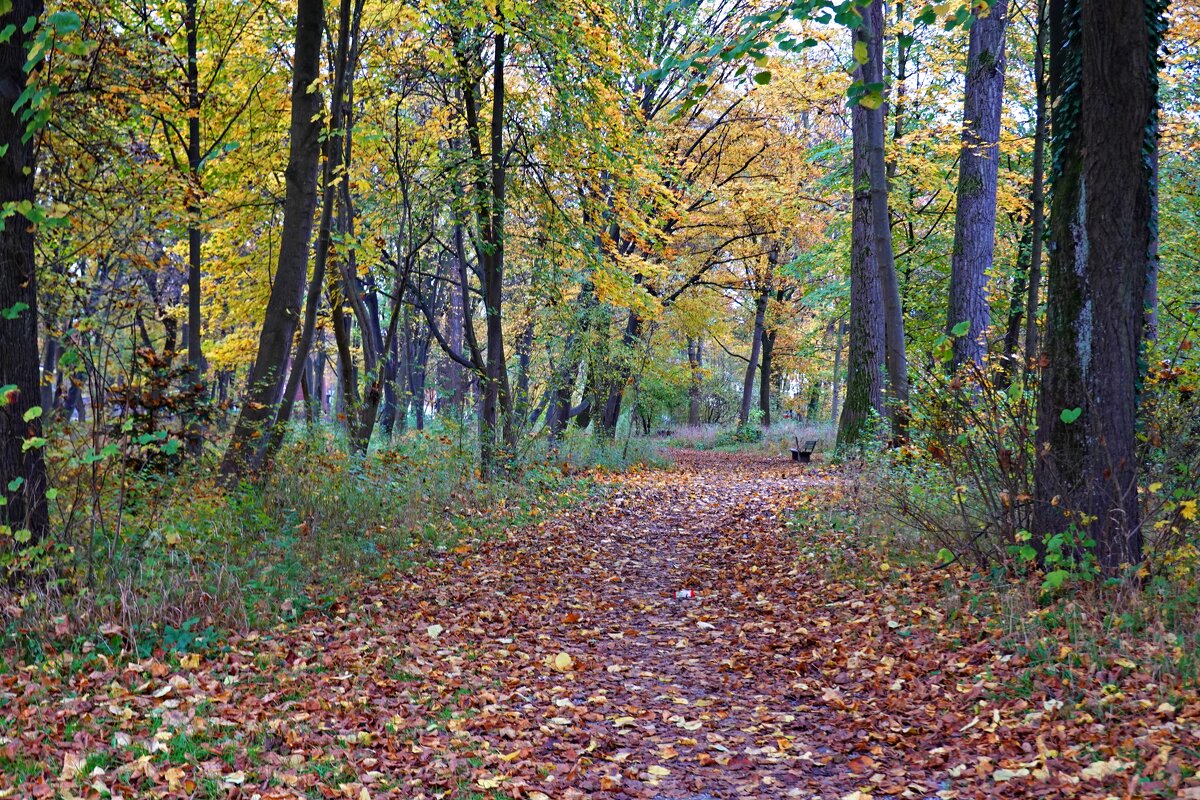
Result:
[[865, 357], [979, 162], [266, 380], [23, 481], [881, 229], [767, 376], [1104, 88]]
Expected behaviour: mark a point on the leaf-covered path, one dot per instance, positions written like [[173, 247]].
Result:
[[677, 639]]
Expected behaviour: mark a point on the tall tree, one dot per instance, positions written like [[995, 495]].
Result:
[[266, 381], [979, 163], [865, 353], [1103, 82], [22, 466], [871, 73]]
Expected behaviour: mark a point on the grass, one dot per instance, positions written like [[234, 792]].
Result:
[[152, 563]]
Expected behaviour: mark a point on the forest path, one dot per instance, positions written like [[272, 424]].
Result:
[[606, 682], [559, 661]]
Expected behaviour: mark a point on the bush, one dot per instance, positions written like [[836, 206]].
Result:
[[158, 559]]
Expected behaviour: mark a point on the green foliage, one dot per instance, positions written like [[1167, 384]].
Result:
[[170, 561]]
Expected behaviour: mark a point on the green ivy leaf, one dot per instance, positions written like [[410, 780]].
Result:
[[14, 311], [763, 78], [1069, 415], [32, 413], [961, 329]]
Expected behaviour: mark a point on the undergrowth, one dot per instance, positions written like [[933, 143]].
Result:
[[145, 561]]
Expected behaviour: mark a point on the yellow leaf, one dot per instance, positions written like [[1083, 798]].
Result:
[[658, 770], [871, 100], [1001, 775], [434, 631], [563, 662], [73, 764], [1187, 510]]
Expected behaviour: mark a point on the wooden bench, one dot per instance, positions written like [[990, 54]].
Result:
[[804, 454]]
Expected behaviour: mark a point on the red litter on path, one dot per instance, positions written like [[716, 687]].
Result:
[[682, 593]]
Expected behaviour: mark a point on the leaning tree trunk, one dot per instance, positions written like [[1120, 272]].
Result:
[[22, 466], [1104, 85], [265, 385], [979, 162], [334, 163], [865, 353]]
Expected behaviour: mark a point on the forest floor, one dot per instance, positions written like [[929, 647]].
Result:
[[696, 633]]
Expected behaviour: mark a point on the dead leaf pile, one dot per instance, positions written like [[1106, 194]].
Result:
[[566, 661]]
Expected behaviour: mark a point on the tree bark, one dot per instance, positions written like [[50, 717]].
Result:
[[1104, 84], [756, 343], [896, 358], [835, 397], [335, 148], [1038, 199], [23, 480], [696, 383], [865, 359], [979, 162], [266, 380]]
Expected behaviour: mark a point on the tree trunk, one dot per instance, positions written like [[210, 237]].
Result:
[[836, 396], [696, 384], [865, 357], [334, 150], [1017, 297], [1104, 86], [495, 413], [266, 380], [896, 358], [22, 468], [1038, 190], [756, 342], [767, 377], [979, 162], [611, 414]]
